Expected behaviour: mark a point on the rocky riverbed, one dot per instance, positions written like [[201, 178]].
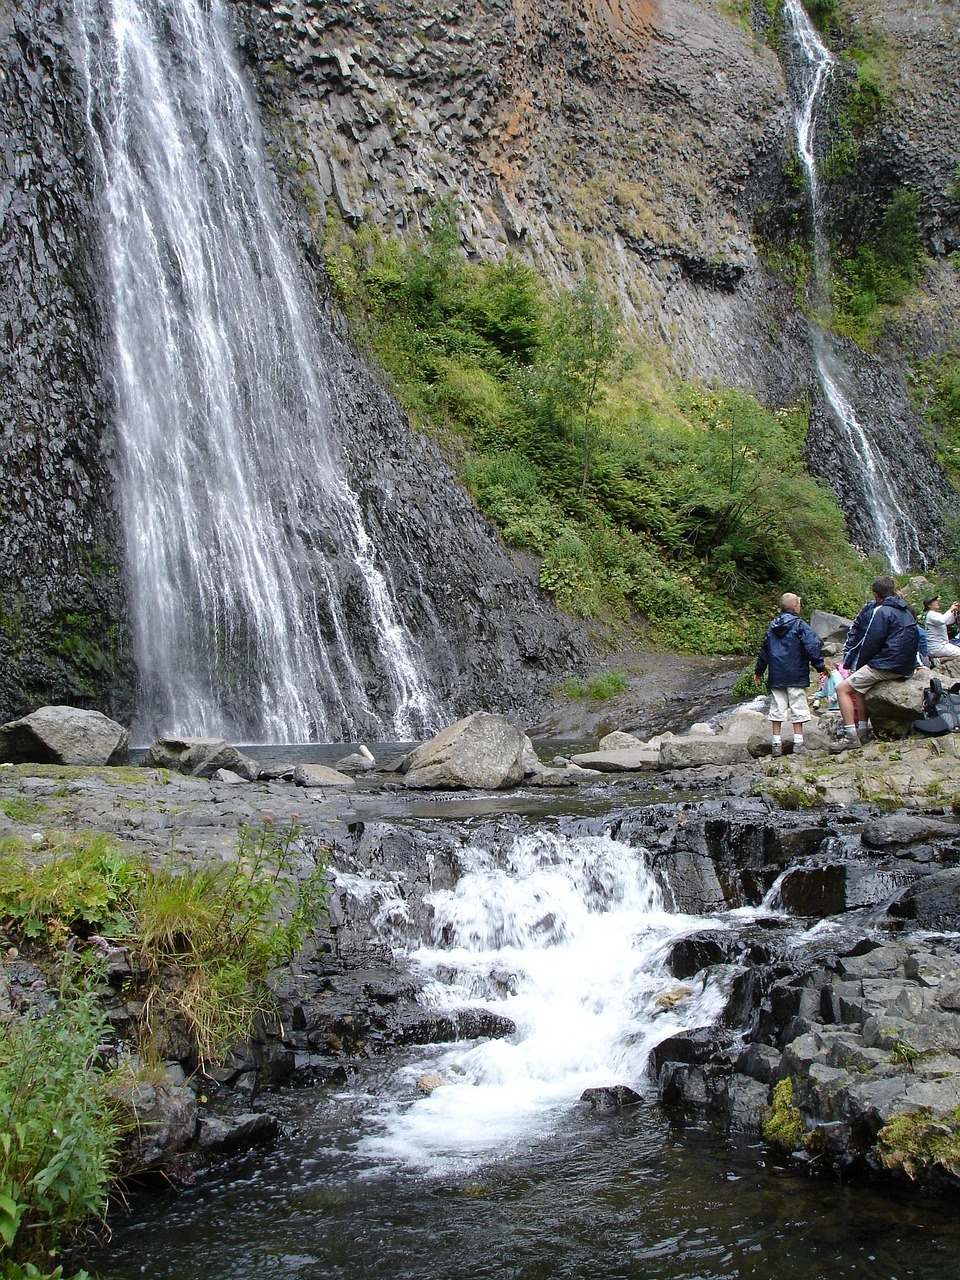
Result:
[[840, 974]]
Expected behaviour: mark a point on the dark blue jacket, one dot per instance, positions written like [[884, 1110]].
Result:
[[789, 649], [858, 629], [891, 640]]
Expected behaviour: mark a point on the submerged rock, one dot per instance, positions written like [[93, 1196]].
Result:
[[610, 1098]]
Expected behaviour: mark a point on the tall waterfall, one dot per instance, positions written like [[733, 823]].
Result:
[[869, 479], [258, 607]]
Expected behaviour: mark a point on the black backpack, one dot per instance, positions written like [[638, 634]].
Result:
[[941, 709]]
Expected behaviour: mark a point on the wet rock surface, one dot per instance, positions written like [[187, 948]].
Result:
[[846, 983]]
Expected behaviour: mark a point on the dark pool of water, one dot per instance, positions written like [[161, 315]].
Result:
[[627, 1198]]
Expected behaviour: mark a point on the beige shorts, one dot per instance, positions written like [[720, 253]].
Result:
[[865, 678], [789, 705]]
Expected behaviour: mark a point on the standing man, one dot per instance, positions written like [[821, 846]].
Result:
[[888, 651], [789, 649]]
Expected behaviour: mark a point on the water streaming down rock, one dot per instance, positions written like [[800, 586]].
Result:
[[862, 440], [567, 936], [259, 609]]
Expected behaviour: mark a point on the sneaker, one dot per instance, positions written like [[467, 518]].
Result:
[[845, 744], [776, 748], [867, 736], [799, 748]]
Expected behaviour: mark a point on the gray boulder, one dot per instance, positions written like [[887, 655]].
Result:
[[200, 758], [64, 735], [320, 775], [231, 1134], [618, 741], [829, 626], [894, 705], [480, 751]]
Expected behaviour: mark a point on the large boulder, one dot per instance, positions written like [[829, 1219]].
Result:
[[64, 735], [480, 751], [829, 626], [894, 705], [200, 757]]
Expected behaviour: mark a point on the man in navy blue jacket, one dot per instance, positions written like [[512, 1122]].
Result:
[[887, 651], [789, 649]]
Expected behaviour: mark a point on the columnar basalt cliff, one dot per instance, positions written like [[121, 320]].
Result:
[[59, 586], [648, 144]]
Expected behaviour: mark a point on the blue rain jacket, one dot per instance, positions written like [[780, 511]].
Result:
[[790, 648], [891, 639]]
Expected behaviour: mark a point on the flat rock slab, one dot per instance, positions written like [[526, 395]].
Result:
[[692, 753], [620, 759]]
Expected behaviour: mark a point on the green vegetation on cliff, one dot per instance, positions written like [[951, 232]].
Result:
[[683, 509]]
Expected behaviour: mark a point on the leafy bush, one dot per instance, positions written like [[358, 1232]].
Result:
[[57, 1134], [881, 272], [89, 889]]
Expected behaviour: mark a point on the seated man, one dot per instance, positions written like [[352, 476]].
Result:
[[888, 652], [936, 623]]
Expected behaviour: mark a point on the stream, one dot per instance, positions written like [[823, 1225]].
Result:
[[502, 1170]]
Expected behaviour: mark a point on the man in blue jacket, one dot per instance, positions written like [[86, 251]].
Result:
[[887, 651], [789, 649]]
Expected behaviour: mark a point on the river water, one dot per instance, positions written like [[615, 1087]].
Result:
[[502, 1170]]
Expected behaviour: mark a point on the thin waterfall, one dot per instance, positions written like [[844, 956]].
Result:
[[875, 482], [258, 607]]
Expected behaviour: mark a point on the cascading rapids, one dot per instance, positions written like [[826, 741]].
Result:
[[567, 937], [258, 608]]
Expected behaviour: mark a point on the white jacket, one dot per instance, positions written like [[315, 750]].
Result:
[[936, 626]]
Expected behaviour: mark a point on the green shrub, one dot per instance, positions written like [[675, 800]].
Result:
[[57, 1132], [745, 686], [880, 273], [566, 571], [89, 889]]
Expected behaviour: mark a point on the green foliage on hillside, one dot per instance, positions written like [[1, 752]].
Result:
[[683, 509], [937, 394], [880, 273]]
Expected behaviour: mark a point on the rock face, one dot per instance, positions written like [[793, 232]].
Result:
[[64, 735], [61, 601], [617, 137]]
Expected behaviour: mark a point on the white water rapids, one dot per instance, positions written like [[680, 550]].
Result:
[[567, 937]]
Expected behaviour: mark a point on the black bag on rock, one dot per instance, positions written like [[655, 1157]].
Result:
[[941, 708]]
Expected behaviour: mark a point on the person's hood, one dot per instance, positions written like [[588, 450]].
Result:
[[896, 602], [784, 623]]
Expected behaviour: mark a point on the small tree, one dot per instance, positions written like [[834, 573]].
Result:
[[576, 352]]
